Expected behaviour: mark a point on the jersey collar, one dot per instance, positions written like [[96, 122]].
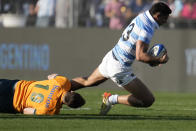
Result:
[[152, 19]]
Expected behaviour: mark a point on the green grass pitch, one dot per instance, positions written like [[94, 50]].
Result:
[[170, 112]]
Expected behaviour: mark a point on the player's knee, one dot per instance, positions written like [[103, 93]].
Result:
[[148, 102], [140, 103], [135, 102]]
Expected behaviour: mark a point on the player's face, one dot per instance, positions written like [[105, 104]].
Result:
[[162, 19]]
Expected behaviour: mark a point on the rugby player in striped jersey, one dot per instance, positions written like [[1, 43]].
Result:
[[117, 63]]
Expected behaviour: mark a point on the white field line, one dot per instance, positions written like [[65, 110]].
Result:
[[76, 108], [185, 109]]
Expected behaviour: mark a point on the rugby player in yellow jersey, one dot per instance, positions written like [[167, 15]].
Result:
[[38, 97]]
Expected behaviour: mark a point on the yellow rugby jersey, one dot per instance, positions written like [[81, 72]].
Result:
[[45, 96]]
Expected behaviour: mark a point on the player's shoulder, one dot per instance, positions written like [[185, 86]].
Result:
[[61, 78], [64, 82], [144, 22]]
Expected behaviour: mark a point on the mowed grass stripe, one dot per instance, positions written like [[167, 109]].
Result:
[[171, 111]]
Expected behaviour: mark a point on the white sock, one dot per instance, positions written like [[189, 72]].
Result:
[[113, 99]]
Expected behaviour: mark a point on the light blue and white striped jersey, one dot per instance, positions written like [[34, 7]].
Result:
[[141, 28]]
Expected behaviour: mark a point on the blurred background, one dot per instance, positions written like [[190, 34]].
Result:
[[89, 13], [70, 37]]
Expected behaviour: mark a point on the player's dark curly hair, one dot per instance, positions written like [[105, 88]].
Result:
[[161, 7], [74, 100]]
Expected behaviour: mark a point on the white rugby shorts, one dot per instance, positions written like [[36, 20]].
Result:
[[113, 69]]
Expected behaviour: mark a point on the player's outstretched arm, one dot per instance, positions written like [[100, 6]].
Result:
[[29, 111]]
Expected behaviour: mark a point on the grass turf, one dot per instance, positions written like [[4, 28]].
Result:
[[171, 111]]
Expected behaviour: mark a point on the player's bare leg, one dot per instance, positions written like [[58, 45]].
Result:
[[140, 95], [94, 79]]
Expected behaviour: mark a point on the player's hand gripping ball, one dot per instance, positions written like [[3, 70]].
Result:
[[157, 50]]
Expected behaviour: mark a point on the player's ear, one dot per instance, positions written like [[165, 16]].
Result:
[[156, 16]]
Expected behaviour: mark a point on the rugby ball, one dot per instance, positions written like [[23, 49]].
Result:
[[157, 50]]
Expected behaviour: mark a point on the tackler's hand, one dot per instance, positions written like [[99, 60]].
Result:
[[52, 76]]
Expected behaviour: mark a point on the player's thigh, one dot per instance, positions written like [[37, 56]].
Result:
[[139, 90], [6, 95], [96, 77]]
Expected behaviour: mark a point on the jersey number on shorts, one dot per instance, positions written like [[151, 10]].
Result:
[[127, 32]]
